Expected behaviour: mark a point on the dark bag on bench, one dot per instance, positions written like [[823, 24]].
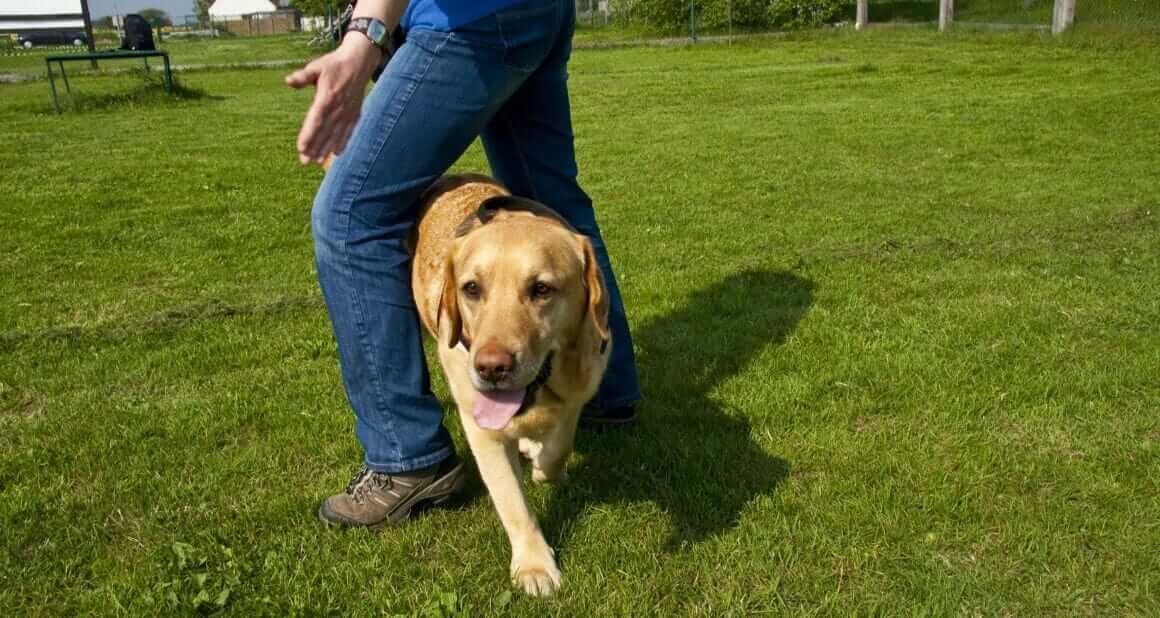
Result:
[[138, 34]]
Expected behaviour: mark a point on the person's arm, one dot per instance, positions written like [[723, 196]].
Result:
[[340, 78]]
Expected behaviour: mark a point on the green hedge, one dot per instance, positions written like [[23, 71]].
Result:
[[715, 14]]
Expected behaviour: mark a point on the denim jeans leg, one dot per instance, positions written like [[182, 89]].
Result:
[[529, 145], [431, 101]]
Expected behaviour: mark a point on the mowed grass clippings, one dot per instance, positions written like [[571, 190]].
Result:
[[894, 294]]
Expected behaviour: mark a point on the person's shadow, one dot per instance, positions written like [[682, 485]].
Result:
[[689, 453]]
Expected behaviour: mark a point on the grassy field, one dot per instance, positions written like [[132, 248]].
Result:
[[1104, 17], [186, 51], [895, 297], [1090, 14], [183, 51]]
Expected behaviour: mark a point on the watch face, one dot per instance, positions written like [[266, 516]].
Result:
[[376, 31]]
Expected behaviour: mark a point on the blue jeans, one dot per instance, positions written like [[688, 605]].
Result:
[[503, 78]]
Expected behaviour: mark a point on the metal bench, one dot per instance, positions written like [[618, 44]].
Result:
[[108, 55]]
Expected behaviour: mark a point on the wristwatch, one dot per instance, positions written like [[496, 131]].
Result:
[[375, 30]]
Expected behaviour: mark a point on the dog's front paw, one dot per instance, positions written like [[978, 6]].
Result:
[[540, 476], [538, 577]]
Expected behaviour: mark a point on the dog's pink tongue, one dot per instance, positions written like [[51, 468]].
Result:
[[493, 409]]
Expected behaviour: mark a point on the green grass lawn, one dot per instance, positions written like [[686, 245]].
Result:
[[895, 298], [1100, 16], [182, 51]]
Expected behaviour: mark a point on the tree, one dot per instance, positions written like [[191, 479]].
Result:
[[318, 8], [201, 9], [104, 22], [156, 17]]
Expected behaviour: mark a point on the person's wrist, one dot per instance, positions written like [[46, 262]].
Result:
[[358, 45]]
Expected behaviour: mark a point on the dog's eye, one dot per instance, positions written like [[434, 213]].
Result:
[[541, 290], [471, 290]]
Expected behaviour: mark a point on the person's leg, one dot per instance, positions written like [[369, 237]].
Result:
[[530, 148], [429, 104]]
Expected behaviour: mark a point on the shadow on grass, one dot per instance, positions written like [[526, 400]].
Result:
[[689, 454], [148, 92]]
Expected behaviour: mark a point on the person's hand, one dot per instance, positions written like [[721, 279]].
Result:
[[340, 78]]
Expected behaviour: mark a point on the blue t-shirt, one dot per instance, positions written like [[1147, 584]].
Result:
[[445, 15]]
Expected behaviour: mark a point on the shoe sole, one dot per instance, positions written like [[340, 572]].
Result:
[[598, 424], [439, 492]]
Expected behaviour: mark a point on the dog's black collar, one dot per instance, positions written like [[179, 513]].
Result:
[[490, 207], [541, 379]]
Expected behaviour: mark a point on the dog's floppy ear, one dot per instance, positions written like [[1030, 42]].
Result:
[[449, 307], [596, 314]]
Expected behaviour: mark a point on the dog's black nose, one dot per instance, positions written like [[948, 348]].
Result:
[[493, 363]]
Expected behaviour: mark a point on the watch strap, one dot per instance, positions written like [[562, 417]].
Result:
[[363, 24]]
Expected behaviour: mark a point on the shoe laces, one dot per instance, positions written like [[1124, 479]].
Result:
[[365, 481]]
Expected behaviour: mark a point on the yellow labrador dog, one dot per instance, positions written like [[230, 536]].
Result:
[[516, 300]]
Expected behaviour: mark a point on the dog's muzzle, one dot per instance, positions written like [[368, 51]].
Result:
[[495, 409]]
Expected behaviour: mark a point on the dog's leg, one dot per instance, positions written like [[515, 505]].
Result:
[[547, 465], [530, 448], [550, 459], [533, 565]]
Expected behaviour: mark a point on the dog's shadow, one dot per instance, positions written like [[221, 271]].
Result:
[[688, 454]]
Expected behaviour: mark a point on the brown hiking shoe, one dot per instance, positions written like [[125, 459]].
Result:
[[377, 499]]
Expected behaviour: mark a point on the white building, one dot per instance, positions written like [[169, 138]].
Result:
[[30, 15], [232, 10]]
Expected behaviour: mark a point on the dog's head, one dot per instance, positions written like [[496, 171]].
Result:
[[520, 285]]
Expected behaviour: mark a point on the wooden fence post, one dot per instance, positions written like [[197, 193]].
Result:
[[946, 14], [1063, 16], [863, 14]]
